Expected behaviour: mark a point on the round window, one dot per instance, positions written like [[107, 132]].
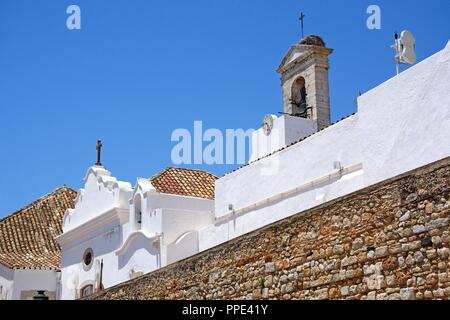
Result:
[[88, 258]]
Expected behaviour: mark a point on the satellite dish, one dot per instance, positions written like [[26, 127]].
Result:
[[405, 50]]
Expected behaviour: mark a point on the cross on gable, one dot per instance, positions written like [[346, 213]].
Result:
[[99, 152], [302, 19]]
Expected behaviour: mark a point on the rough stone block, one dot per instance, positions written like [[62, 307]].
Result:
[[407, 294]]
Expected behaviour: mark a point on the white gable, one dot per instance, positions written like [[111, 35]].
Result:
[[101, 193]]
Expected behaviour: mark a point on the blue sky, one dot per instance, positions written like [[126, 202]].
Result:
[[139, 69]]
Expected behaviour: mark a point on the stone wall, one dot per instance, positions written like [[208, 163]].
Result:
[[389, 241]]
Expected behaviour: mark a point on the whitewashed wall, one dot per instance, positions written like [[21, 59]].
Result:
[[400, 125], [15, 281], [103, 243], [286, 130], [6, 283], [405, 122], [109, 227], [180, 229], [33, 280], [185, 246]]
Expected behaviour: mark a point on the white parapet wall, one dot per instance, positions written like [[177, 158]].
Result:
[[28, 281], [400, 125], [286, 130]]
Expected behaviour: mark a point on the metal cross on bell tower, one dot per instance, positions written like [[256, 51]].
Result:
[[99, 152], [302, 19]]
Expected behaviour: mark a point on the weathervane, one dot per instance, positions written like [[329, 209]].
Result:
[[99, 152], [302, 18]]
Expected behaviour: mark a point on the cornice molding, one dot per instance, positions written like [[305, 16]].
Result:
[[114, 215], [306, 53]]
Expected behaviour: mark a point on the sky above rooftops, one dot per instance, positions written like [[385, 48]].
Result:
[[138, 70]]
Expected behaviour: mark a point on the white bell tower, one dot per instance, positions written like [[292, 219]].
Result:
[[306, 101], [304, 80]]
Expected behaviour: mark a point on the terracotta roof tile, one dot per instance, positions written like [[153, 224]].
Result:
[[27, 237], [185, 182]]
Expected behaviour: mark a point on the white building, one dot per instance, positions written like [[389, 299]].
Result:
[[400, 125], [29, 253], [116, 232]]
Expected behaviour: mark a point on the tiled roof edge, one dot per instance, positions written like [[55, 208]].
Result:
[[42, 198], [5, 264], [180, 168]]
